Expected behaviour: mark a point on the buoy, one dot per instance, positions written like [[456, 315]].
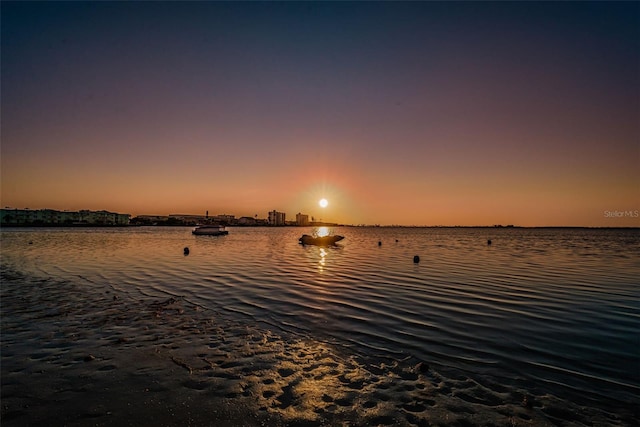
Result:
[[416, 259], [186, 251], [489, 242], [379, 243]]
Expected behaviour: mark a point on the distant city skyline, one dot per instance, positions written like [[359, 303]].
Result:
[[408, 113], [274, 218]]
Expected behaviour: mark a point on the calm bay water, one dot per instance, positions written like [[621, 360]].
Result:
[[553, 311]]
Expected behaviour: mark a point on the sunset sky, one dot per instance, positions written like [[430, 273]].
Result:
[[397, 113]]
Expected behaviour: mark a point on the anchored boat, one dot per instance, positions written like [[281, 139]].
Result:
[[210, 230], [319, 241]]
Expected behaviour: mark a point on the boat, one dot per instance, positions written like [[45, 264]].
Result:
[[210, 230], [319, 241]]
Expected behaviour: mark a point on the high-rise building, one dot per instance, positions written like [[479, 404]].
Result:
[[276, 218]]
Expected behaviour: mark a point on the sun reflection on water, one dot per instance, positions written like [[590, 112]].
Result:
[[321, 263], [322, 231]]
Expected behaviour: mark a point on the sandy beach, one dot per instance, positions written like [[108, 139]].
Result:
[[74, 356]]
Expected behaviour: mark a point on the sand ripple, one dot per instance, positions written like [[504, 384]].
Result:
[[105, 357]]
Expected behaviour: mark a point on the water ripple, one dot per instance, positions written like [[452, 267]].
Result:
[[554, 310]]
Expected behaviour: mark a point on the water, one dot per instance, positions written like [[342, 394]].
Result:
[[552, 311]]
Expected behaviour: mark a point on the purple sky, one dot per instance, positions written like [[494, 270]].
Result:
[[397, 113]]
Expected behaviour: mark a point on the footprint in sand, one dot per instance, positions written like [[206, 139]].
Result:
[[344, 401], [356, 385], [286, 398], [414, 407], [285, 372], [369, 404], [382, 396]]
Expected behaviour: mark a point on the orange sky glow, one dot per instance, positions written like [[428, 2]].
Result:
[[408, 114]]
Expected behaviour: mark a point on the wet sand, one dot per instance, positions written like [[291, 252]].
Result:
[[95, 356]]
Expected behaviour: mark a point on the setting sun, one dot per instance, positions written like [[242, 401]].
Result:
[[323, 203]]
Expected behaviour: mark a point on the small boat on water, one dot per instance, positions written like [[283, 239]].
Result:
[[210, 230], [319, 241]]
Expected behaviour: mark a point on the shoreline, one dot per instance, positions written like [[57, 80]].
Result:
[[95, 356], [82, 358]]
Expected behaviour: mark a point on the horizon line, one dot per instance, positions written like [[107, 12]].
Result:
[[355, 225]]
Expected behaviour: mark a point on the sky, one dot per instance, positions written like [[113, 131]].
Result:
[[408, 113]]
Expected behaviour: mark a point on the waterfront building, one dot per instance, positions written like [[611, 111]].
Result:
[[10, 216], [187, 219], [276, 218], [152, 218], [302, 219], [224, 219], [247, 220]]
